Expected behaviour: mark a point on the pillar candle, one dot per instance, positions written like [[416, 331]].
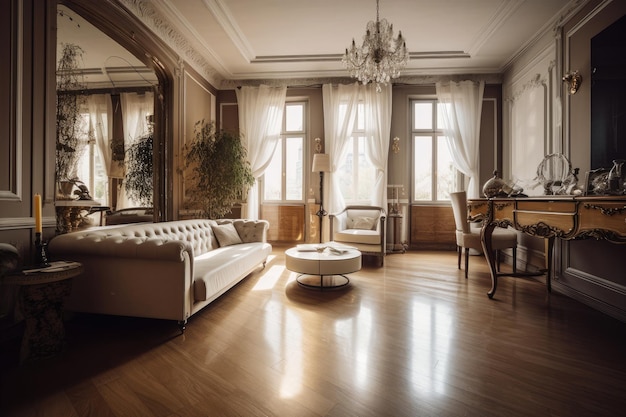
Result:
[[37, 210]]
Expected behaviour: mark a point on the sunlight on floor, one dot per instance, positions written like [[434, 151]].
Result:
[[269, 278], [430, 346]]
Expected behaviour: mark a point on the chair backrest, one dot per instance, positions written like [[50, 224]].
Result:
[[363, 218], [459, 207]]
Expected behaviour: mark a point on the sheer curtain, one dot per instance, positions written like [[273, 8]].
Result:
[[135, 108], [260, 123], [340, 109], [378, 129], [340, 112], [101, 122], [461, 106], [100, 112]]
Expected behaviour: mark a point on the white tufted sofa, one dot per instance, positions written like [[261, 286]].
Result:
[[167, 270]]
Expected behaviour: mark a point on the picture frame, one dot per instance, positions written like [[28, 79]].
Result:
[[594, 184]]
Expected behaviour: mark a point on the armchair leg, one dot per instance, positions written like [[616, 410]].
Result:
[[466, 261], [458, 252], [514, 260]]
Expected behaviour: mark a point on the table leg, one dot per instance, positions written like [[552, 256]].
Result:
[[490, 256], [485, 240], [331, 282], [549, 250]]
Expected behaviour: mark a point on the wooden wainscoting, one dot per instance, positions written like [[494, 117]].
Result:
[[287, 222], [432, 228]]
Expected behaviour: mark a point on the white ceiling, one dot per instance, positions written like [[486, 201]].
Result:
[[285, 39], [259, 39]]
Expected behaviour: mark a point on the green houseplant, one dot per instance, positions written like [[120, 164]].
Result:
[[69, 130], [139, 170], [218, 171]]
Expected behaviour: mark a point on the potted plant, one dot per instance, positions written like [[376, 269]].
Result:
[[218, 170], [69, 130], [139, 169]]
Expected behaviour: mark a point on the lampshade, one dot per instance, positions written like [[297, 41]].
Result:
[[321, 162]]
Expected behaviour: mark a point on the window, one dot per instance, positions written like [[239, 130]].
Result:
[[90, 168], [283, 180], [434, 174], [356, 174]]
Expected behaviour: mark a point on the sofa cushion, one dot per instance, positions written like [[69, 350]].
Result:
[[368, 237], [215, 270], [226, 234], [248, 230]]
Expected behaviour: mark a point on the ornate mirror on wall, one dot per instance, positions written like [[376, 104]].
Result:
[[106, 102]]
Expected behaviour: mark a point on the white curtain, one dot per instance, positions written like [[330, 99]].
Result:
[[340, 112], [135, 108], [260, 123], [100, 113], [461, 106], [377, 130]]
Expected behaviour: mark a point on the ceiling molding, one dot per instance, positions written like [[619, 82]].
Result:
[[552, 28], [307, 82], [145, 11], [338, 57], [506, 10], [184, 26], [221, 12]]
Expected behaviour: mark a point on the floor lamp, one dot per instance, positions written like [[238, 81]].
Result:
[[321, 164]]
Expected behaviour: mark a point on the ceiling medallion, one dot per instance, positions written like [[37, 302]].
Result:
[[380, 58]]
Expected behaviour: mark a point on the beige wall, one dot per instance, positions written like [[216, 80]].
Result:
[[586, 270], [590, 270]]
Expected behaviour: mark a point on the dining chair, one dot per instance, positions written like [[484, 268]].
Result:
[[469, 237]]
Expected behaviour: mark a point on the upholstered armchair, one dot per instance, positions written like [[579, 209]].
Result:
[[362, 227]]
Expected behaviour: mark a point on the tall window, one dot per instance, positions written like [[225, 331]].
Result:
[[90, 168], [283, 180], [356, 173], [434, 174]]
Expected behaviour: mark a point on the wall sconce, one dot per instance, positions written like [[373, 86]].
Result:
[[574, 79], [318, 145], [395, 146]]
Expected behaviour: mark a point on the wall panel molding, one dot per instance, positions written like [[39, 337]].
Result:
[[11, 107]]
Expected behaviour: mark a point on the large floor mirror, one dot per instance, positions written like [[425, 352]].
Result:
[[106, 103]]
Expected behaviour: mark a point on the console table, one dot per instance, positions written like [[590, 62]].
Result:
[[549, 217], [70, 213]]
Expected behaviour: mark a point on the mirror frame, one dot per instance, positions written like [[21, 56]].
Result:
[[124, 28]]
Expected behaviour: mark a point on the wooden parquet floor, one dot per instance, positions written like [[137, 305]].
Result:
[[414, 338]]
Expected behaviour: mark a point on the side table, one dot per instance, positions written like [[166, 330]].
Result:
[[42, 290], [394, 231]]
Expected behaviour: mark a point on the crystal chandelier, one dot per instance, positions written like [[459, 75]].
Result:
[[380, 58]]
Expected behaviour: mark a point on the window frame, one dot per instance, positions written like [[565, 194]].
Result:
[[435, 133], [357, 140], [284, 136]]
